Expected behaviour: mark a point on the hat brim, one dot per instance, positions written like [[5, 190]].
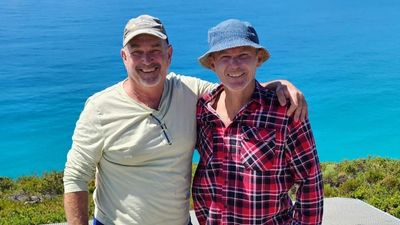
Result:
[[204, 59], [144, 31]]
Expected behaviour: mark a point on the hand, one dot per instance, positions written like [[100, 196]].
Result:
[[298, 105]]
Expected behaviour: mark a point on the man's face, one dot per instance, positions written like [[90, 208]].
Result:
[[147, 59], [236, 67]]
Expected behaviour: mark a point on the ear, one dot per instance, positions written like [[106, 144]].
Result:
[[123, 54], [259, 58], [169, 51], [211, 61]]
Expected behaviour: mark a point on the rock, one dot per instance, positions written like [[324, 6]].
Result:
[[22, 197], [33, 199], [26, 198]]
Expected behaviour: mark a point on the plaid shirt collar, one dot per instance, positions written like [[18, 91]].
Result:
[[258, 97], [247, 169]]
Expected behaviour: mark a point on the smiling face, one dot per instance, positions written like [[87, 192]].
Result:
[[147, 59], [236, 67]]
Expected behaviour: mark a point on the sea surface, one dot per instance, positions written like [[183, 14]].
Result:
[[344, 56]]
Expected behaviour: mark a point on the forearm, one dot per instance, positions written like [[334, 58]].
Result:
[[76, 208]]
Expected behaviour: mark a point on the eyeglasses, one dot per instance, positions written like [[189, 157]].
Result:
[[163, 128]]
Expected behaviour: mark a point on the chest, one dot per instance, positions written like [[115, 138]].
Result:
[[140, 137], [253, 143]]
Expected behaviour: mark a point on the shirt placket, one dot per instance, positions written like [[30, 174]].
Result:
[[226, 150]]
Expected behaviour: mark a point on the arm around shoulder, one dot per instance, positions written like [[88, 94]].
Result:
[[286, 90], [197, 85]]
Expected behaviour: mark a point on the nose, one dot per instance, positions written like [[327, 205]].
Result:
[[147, 58], [234, 62]]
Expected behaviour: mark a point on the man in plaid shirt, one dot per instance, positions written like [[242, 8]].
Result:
[[251, 152]]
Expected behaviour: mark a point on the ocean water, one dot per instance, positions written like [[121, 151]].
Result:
[[344, 55]]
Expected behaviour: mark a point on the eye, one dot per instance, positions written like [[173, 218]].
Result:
[[136, 53], [156, 52], [224, 57], [244, 56]]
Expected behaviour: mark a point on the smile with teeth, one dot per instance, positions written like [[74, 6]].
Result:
[[235, 75], [148, 70]]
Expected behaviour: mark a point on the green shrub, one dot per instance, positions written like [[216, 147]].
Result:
[[29, 184], [330, 191], [373, 180], [52, 184], [6, 184]]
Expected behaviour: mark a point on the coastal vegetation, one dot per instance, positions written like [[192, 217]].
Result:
[[38, 200]]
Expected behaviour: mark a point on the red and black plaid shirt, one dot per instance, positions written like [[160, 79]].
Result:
[[246, 170]]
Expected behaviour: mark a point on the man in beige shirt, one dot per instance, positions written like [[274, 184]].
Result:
[[137, 137]]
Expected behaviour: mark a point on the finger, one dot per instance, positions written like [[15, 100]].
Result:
[[299, 108], [293, 103], [281, 95], [304, 111]]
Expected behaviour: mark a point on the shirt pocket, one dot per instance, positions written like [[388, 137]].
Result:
[[257, 150]]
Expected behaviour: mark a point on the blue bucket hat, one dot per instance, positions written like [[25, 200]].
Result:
[[230, 34]]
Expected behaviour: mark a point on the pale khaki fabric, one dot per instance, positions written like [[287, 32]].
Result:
[[141, 178]]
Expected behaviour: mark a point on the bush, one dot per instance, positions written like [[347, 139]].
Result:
[[6, 184], [373, 180], [52, 184], [33, 199]]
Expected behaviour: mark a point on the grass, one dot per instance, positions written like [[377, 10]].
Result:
[[38, 199]]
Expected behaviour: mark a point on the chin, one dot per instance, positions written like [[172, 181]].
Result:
[[238, 87], [151, 83], [235, 87]]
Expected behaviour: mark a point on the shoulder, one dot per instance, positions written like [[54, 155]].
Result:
[[270, 105], [179, 78], [208, 96], [267, 96], [106, 96], [183, 79], [190, 82]]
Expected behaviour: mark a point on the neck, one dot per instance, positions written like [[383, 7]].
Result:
[[149, 96], [229, 103], [234, 101]]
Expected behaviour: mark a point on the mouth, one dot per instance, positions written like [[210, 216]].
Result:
[[235, 75], [148, 69]]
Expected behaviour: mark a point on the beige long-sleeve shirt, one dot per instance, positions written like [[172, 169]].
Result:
[[141, 156]]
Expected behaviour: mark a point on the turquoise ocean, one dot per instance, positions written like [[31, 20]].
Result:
[[344, 55]]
